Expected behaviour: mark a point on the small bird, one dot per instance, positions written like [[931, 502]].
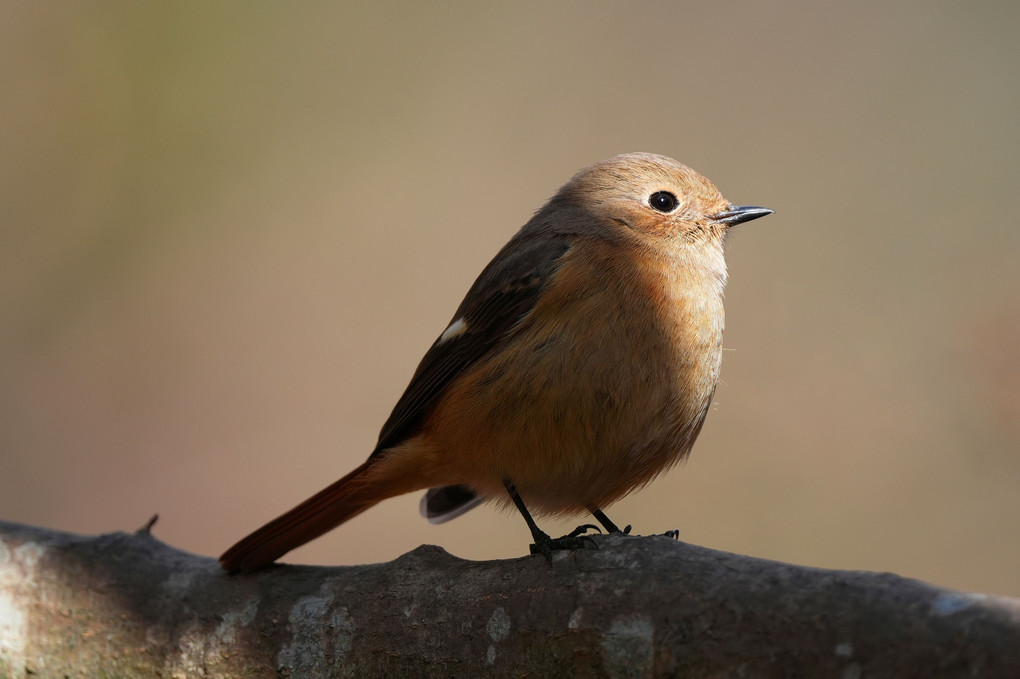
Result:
[[580, 365]]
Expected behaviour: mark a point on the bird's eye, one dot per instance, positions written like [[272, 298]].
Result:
[[663, 201]]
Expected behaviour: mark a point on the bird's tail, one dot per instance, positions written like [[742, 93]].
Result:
[[439, 505], [317, 515]]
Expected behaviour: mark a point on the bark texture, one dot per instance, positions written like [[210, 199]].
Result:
[[127, 605]]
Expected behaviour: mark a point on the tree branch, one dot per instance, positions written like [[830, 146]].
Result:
[[130, 606]]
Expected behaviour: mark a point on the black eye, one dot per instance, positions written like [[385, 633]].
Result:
[[663, 201]]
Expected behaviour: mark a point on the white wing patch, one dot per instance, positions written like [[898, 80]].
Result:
[[457, 328]]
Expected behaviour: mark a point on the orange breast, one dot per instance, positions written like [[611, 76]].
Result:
[[603, 386]]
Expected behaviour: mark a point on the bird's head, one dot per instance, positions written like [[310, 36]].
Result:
[[652, 196]]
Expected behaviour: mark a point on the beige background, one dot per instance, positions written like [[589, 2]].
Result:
[[230, 231]]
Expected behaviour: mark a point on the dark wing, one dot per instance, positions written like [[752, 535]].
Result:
[[505, 292]]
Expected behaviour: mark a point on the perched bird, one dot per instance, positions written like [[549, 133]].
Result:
[[579, 366]]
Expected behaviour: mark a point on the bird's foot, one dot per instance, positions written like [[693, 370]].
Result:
[[581, 530], [575, 539], [675, 534]]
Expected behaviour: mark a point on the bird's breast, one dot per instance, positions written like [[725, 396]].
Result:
[[600, 387], [685, 293]]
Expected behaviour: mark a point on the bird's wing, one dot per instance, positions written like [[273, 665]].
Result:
[[504, 293]]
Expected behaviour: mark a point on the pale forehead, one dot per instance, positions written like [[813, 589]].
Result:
[[634, 174]]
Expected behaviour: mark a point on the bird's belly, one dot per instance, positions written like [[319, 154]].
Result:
[[580, 416]]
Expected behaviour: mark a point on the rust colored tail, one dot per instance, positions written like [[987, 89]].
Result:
[[317, 515]]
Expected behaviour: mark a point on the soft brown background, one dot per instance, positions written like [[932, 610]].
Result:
[[230, 230]]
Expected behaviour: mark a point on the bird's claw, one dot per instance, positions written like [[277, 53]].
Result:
[[581, 530], [572, 540], [674, 533]]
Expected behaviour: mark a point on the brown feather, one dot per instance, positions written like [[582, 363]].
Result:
[[506, 290], [375, 480], [584, 363]]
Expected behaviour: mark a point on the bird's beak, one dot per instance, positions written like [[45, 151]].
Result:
[[738, 214]]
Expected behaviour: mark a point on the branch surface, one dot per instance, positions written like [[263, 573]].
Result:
[[128, 605]]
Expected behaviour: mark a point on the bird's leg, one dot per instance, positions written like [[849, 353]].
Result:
[[537, 534], [606, 521], [544, 544]]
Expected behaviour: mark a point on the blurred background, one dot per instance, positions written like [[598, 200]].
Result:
[[229, 231]]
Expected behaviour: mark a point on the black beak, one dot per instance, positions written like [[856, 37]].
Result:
[[738, 214]]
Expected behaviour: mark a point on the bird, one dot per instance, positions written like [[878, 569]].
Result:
[[579, 366]]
